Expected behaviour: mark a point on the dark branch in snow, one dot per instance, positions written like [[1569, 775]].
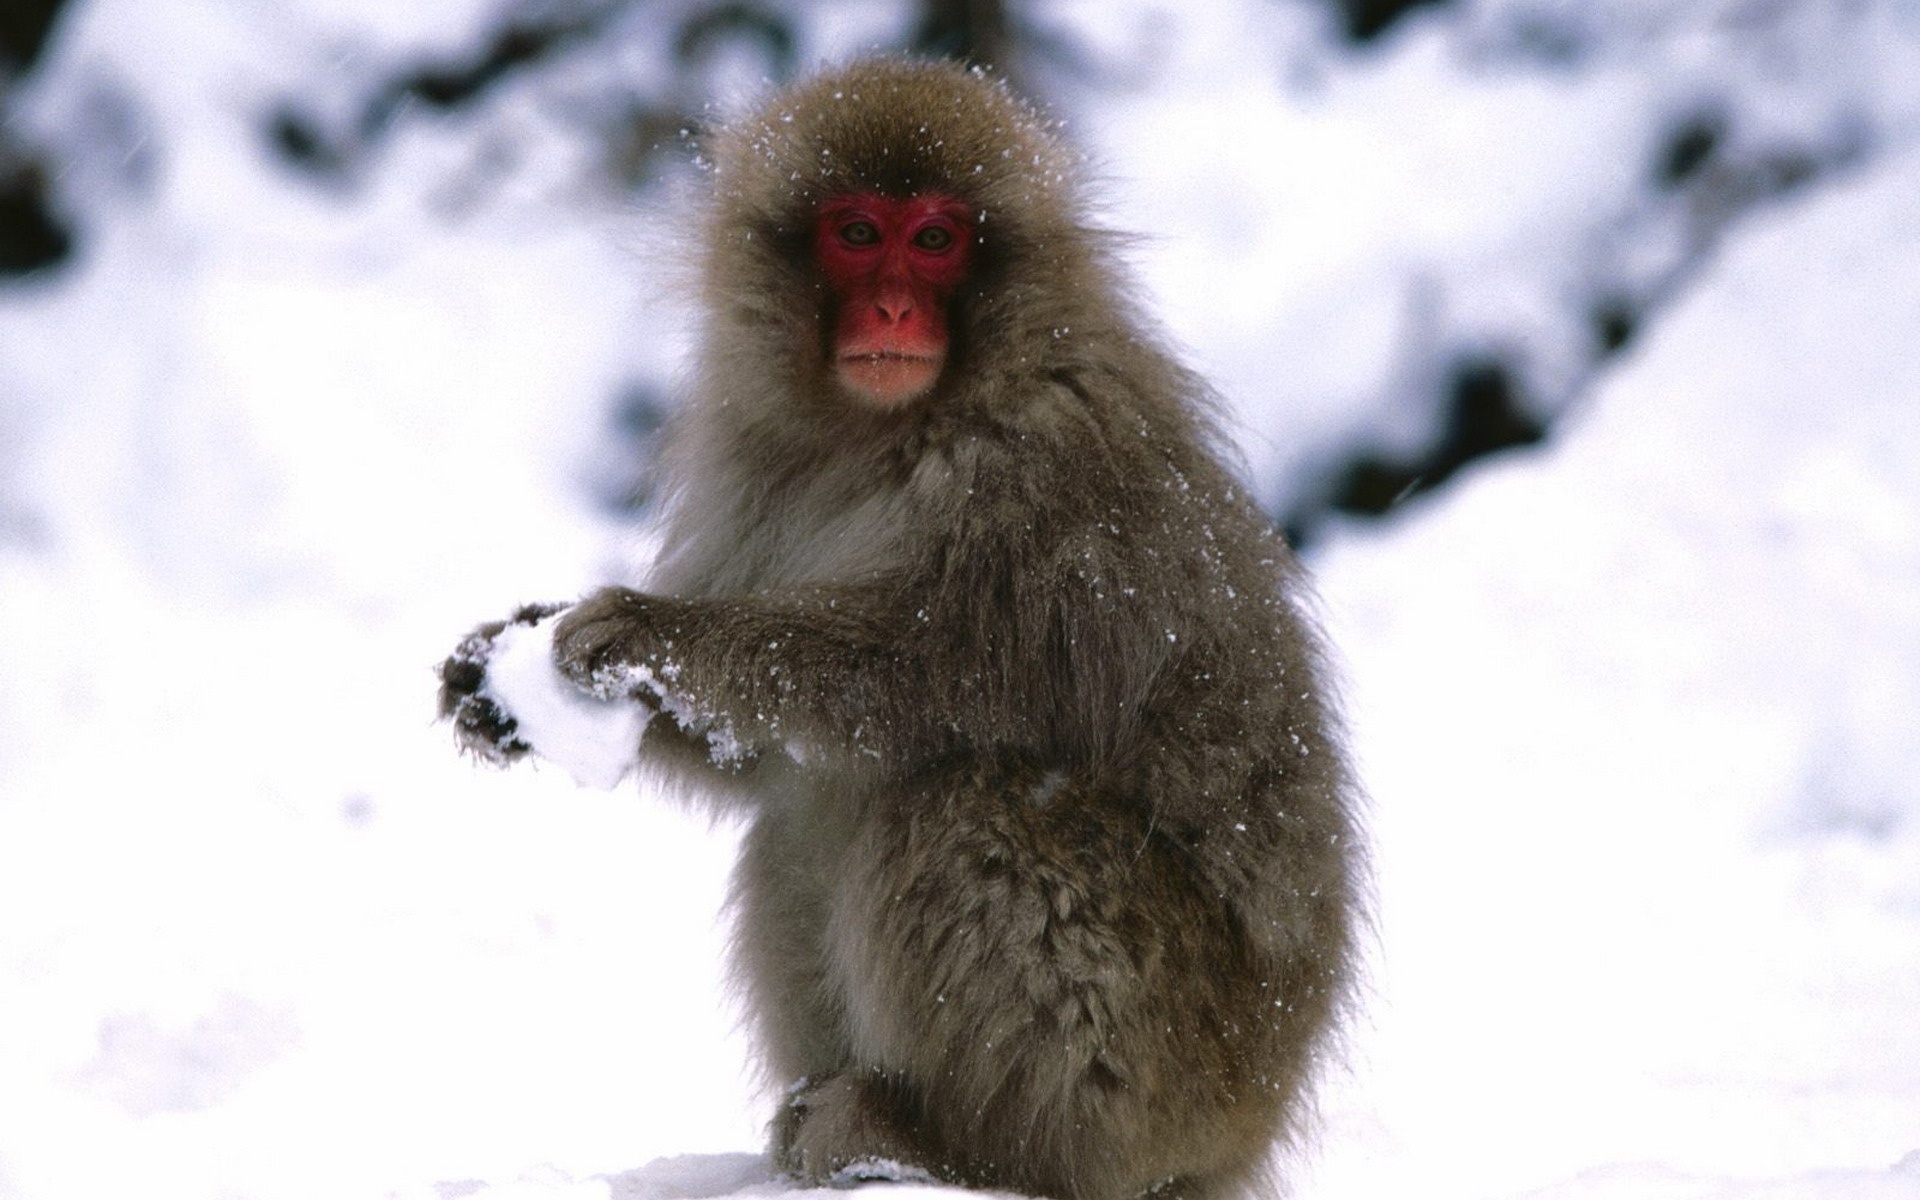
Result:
[[32, 237], [1485, 414], [26, 26], [1366, 20]]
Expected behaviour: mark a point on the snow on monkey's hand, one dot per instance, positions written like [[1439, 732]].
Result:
[[506, 699]]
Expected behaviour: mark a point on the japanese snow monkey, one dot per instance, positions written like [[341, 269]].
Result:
[[1050, 876]]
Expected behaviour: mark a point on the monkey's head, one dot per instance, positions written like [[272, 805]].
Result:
[[872, 225]]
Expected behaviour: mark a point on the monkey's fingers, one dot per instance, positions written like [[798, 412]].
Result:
[[533, 614], [480, 727], [486, 731]]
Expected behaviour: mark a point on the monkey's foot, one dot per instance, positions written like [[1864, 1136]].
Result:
[[879, 1170], [843, 1130]]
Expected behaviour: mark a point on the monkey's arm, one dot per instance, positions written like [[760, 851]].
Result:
[[808, 671]]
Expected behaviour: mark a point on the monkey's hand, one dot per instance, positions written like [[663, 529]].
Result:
[[480, 725], [506, 699], [606, 645], [626, 646]]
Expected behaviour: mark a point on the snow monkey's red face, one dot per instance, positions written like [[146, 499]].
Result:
[[892, 265]]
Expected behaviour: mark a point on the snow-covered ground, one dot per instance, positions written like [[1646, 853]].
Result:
[[1637, 709], [1639, 717]]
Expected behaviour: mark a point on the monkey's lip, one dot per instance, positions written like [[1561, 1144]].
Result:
[[889, 377], [874, 356]]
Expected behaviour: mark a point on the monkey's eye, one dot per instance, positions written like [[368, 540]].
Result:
[[860, 233], [934, 237]]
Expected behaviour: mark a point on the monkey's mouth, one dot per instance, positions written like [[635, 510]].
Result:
[[889, 377], [890, 356]]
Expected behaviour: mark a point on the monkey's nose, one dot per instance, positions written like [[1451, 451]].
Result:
[[894, 306]]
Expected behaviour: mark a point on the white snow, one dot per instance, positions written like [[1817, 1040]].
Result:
[[1636, 709], [594, 740], [1637, 716]]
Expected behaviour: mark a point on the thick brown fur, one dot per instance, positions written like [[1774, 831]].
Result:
[[1050, 880]]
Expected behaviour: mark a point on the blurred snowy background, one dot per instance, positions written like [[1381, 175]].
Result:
[[1577, 341]]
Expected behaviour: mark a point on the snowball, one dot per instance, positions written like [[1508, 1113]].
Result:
[[596, 741]]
